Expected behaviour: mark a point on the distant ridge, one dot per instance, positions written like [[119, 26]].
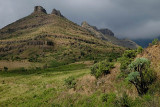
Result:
[[145, 42], [108, 35]]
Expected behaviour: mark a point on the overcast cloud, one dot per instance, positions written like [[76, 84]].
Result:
[[126, 18]]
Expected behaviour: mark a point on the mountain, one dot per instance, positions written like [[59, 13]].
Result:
[[51, 39], [144, 42], [108, 35]]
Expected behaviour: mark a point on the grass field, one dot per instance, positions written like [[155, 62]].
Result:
[[47, 88], [35, 89]]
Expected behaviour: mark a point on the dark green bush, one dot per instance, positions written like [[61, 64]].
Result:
[[5, 68], [101, 68], [124, 63], [130, 54], [32, 59], [70, 82], [124, 101], [125, 60]]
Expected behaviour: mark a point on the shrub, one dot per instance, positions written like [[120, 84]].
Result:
[[104, 97], [130, 54], [124, 101], [139, 50], [101, 68], [125, 60], [32, 59], [111, 100], [5, 68], [70, 82], [141, 76], [155, 42], [124, 63]]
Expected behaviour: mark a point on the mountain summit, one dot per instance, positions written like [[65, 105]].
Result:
[[39, 9], [57, 12]]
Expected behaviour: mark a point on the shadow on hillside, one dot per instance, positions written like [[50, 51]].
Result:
[[23, 71]]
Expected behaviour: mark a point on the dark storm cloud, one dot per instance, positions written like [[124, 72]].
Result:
[[127, 18]]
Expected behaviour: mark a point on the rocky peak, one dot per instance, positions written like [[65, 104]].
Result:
[[106, 32], [85, 25], [57, 12], [39, 9]]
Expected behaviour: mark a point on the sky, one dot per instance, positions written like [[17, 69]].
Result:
[[132, 19]]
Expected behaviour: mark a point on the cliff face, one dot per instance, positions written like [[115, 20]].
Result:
[[108, 35]]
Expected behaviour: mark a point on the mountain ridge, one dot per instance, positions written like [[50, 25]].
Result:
[[108, 35]]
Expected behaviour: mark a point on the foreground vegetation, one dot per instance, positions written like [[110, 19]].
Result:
[[126, 81], [68, 88]]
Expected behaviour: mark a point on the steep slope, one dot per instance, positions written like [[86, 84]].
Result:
[[45, 38], [108, 35], [153, 54]]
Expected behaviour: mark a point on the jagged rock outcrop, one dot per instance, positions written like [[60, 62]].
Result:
[[57, 12], [93, 30], [108, 35], [106, 32], [38, 9]]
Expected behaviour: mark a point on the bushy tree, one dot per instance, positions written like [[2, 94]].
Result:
[[141, 75], [101, 68]]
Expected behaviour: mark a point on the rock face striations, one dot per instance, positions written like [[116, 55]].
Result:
[[39, 9], [108, 35]]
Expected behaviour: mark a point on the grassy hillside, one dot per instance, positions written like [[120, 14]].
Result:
[[46, 38], [153, 54], [38, 89]]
